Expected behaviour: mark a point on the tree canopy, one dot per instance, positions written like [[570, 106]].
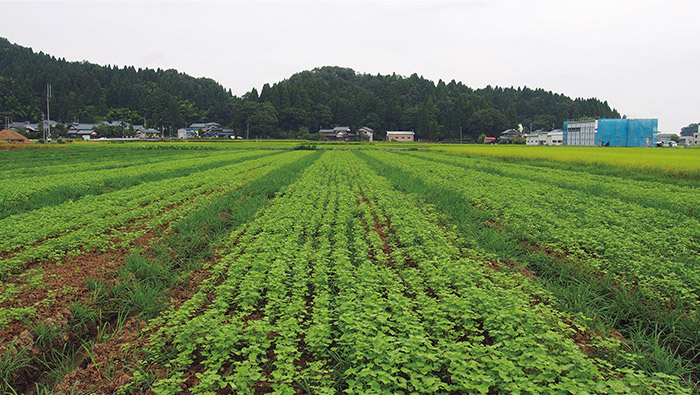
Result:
[[332, 96], [87, 92], [296, 107]]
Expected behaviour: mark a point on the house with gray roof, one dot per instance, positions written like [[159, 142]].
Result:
[[338, 133]]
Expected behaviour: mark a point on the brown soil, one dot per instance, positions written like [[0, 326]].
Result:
[[26, 146], [66, 281], [115, 359], [108, 370]]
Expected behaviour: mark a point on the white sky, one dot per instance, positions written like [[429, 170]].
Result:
[[642, 56]]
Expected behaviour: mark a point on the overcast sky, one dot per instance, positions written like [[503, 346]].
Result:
[[642, 57]]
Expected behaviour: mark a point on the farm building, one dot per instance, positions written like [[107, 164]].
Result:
[[611, 132], [400, 135], [185, 133], [508, 135], [338, 133], [365, 133], [9, 136]]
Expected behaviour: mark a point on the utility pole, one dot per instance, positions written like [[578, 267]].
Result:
[[460, 135], [48, 114], [7, 127], [247, 130]]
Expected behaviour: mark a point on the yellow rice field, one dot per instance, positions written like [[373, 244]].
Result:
[[682, 162]]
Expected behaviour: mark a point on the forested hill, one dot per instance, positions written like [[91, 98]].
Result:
[[296, 107], [333, 96], [87, 92]]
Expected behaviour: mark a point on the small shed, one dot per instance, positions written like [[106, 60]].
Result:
[[400, 135], [366, 133]]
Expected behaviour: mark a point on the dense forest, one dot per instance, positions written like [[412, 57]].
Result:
[[294, 108], [88, 93]]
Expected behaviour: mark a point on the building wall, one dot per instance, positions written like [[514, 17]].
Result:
[[627, 132], [580, 132], [399, 138], [612, 132], [555, 138]]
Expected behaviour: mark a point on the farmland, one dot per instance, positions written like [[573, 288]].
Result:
[[205, 269]]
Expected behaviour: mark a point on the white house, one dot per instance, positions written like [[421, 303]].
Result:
[[186, 133], [691, 140]]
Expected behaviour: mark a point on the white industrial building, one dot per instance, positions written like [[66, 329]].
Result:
[[542, 137], [581, 132]]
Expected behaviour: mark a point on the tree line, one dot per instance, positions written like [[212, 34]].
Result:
[[293, 108], [90, 93]]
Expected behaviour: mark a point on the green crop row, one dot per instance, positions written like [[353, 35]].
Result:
[[655, 250], [631, 267], [116, 219], [673, 198], [22, 194], [344, 284], [80, 225], [55, 162]]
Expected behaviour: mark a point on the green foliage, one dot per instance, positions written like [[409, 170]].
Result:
[[690, 129], [13, 361], [332, 96], [595, 260], [307, 147], [344, 284], [89, 92], [325, 96]]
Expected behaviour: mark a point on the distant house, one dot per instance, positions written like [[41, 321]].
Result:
[[187, 133], [143, 133], [84, 131], [508, 135], [30, 127], [338, 133], [489, 140], [365, 133], [220, 133], [663, 138], [531, 138], [690, 140], [208, 127], [400, 135], [113, 124]]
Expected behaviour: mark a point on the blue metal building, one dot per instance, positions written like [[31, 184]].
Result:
[[612, 132]]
